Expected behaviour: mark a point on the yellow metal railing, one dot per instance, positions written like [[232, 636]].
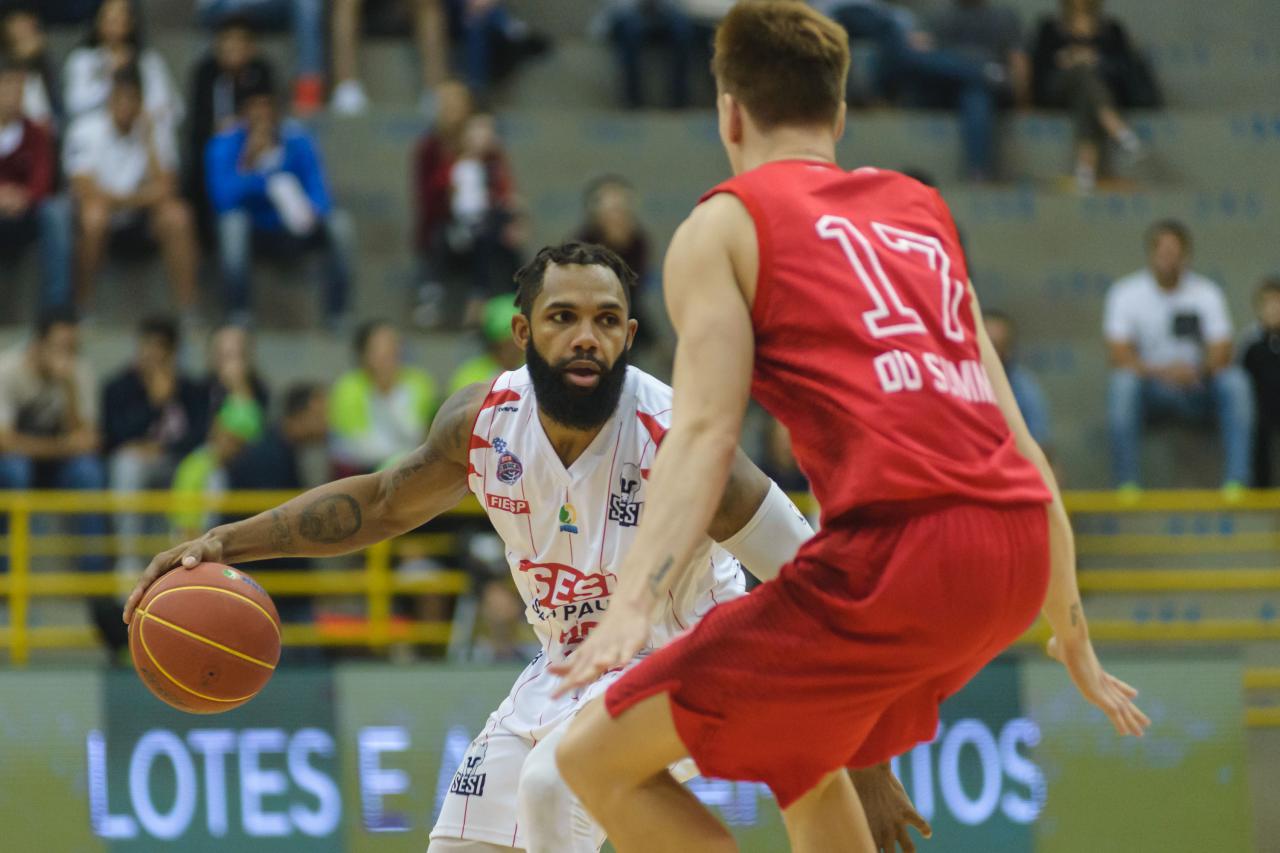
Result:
[[376, 581]]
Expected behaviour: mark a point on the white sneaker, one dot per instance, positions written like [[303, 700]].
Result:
[[349, 98]]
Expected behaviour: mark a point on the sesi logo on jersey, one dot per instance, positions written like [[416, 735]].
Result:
[[514, 506], [469, 781], [555, 584], [624, 508], [509, 468]]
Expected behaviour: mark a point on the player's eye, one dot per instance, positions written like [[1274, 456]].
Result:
[[610, 319], [562, 317]]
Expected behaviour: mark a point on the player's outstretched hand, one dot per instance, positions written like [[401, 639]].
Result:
[[188, 555], [1100, 687], [889, 810], [620, 635]]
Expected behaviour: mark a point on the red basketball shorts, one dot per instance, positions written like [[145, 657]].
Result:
[[832, 666]]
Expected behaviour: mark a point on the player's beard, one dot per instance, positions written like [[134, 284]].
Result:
[[568, 404]]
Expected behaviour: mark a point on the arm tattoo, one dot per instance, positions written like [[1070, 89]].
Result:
[[281, 536], [655, 582], [331, 519], [1075, 614]]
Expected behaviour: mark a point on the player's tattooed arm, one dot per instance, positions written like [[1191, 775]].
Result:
[[356, 512]]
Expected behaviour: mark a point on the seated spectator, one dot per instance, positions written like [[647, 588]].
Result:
[[122, 167], [48, 432], [232, 67], [1082, 61], [1169, 334], [1026, 388], [150, 419], [381, 410], [469, 224], [307, 20], [269, 188], [203, 472], [983, 41], [501, 352], [232, 372], [1262, 363], [631, 25], [24, 42], [349, 97], [274, 463], [29, 211], [611, 219], [115, 42], [493, 40]]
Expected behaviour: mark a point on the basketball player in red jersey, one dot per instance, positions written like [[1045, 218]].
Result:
[[841, 301]]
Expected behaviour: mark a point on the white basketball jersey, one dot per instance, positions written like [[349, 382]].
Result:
[[567, 530]]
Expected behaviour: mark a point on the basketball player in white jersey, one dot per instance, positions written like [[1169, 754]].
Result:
[[557, 453]]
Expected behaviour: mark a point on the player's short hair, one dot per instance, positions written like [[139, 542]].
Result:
[[163, 327], [529, 278], [1175, 228], [785, 62]]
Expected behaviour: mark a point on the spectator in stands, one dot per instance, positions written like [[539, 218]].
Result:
[[493, 40], [24, 42], [115, 42], [233, 67], [611, 219], [150, 419], [307, 20], [349, 97], [381, 410], [203, 472], [1083, 61], [29, 210], [268, 187], [631, 25], [122, 167], [994, 71], [1168, 330], [48, 418], [274, 463], [1026, 388], [470, 227], [500, 349], [233, 373], [1262, 363]]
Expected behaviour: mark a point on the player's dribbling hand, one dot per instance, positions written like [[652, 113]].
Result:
[[188, 555], [620, 635], [1099, 687], [888, 808]]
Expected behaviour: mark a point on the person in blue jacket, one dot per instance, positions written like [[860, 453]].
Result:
[[269, 191]]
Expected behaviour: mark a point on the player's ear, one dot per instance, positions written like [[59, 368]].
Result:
[[731, 120], [841, 115], [520, 330], [632, 327]]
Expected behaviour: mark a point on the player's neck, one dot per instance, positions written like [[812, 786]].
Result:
[[568, 443], [788, 144]]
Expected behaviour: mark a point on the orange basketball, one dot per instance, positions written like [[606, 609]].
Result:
[[205, 640]]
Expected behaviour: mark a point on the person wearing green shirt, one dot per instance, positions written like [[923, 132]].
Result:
[[381, 409], [501, 352], [203, 471]]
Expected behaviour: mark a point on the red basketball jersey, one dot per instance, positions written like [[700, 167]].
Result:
[[865, 346]]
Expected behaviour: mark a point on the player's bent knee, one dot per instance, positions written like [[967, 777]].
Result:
[[542, 790]]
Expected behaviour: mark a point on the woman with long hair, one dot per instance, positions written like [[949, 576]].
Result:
[[115, 40]]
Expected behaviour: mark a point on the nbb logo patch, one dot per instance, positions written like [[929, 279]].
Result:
[[504, 504], [555, 584]]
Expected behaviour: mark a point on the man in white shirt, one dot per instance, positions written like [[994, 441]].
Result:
[[122, 166], [1169, 336]]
